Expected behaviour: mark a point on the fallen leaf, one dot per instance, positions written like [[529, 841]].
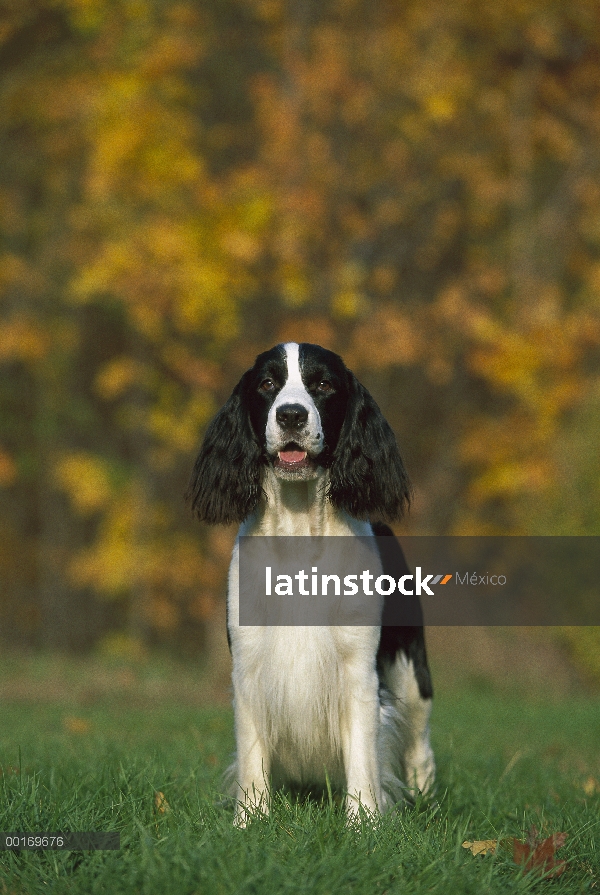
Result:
[[76, 725], [160, 803], [539, 854], [481, 846], [591, 786]]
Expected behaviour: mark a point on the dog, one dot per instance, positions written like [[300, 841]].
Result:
[[302, 449]]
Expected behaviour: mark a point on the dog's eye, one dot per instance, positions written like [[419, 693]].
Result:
[[324, 386], [267, 385]]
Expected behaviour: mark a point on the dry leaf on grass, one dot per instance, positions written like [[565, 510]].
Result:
[[591, 786], [76, 725], [539, 854], [535, 853], [160, 803], [482, 846]]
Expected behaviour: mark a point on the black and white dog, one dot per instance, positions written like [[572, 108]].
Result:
[[301, 448]]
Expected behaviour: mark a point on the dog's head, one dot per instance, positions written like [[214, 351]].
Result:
[[299, 410]]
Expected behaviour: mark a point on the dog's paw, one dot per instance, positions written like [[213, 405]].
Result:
[[359, 810], [420, 770], [251, 804]]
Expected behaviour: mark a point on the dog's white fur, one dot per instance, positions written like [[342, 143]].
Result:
[[308, 707]]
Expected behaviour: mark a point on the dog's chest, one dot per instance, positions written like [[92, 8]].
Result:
[[289, 669], [296, 680]]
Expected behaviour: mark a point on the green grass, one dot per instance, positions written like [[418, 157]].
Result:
[[504, 763]]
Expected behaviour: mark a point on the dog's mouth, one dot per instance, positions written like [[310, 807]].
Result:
[[292, 457]]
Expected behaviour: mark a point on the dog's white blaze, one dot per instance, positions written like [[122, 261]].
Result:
[[294, 392], [292, 355]]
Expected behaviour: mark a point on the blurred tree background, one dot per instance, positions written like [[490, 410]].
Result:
[[183, 184]]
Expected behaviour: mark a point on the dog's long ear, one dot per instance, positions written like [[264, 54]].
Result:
[[225, 485], [367, 477]]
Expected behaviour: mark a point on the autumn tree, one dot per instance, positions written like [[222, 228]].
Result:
[[184, 184]]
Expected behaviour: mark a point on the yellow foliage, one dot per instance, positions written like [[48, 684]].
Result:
[[440, 107], [86, 479], [387, 337], [294, 286], [348, 304], [87, 14], [22, 338], [14, 269], [8, 469], [179, 430], [510, 479], [204, 293], [101, 275], [119, 375], [176, 565], [198, 372], [242, 246], [112, 565], [119, 645], [136, 548]]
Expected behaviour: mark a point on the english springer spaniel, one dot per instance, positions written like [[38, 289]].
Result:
[[301, 448]]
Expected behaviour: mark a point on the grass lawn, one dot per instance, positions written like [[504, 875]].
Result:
[[505, 762]]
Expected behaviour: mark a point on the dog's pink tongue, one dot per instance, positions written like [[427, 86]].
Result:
[[292, 456]]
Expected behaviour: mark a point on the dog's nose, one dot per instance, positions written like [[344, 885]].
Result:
[[291, 416]]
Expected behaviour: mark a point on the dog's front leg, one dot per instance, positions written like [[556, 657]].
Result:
[[252, 766], [359, 740]]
